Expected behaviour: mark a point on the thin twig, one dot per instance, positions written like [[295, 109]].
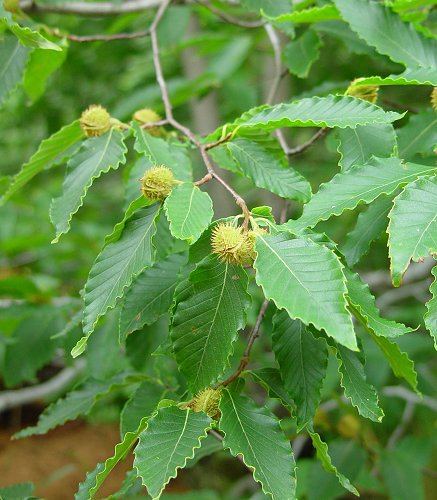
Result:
[[254, 334], [89, 8], [214, 144], [99, 38], [276, 45], [303, 147]]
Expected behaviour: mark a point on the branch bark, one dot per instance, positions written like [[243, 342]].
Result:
[[89, 8]]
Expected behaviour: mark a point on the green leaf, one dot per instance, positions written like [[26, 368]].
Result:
[[413, 226], [142, 403], [42, 64], [325, 460], [363, 306], [287, 268], [358, 145], [303, 360], [150, 295], [96, 156], [431, 306], [311, 15], [51, 152], [270, 7], [161, 152], [267, 171], [369, 226], [271, 380], [254, 433], [19, 491], [399, 361], [210, 309], [115, 268], [411, 76], [353, 380], [75, 403], [361, 183], [330, 111], [419, 135], [189, 211], [31, 38], [384, 30], [301, 54], [169, 441], [13, 58]]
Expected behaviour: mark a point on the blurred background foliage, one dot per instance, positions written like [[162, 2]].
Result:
[[215, 71]]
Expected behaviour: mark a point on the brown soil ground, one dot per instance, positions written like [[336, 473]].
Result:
[[57, 462]]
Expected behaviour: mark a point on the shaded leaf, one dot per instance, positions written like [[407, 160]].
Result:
[[270, 379], [431, 306], [419, 135], [299, 55], [307, 280], [303, 361], [13, 58], [411, 76], [254, 433]]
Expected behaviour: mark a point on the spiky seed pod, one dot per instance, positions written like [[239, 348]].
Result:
[[232, 245], [434, 98], [157, 183], [95, 121], [147, 116], [349, 426], [366, 92], [207, 401]]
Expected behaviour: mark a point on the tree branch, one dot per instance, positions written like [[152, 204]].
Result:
[[19, 397], [89, 8]]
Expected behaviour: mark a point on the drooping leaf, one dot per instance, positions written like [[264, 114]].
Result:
[[310, 15], [96, 156], [170, 439], [400, 363], [358, 145], [150, 295], [13, 58], [301, 54], [353, 380], [271, 380], [431, 306], [303, 360], [413, 226], [325, 460], [361, 183], [210, 309], [75, 403], [287, 268], [385, 31], [369, 226], [51, 152], [189, 211], [115, 268], [254, 433], [161, 152], [419, 135], [330, 111], [267, 171], [363, 305], [42, 64]]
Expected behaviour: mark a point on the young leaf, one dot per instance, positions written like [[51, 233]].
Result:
[[363, 306], [358, 145], [301, 54], [325, 460], [362, 183], [254, 433], [161, 152], [413, 226], [96, 157], [369, 226], [330, 111], [303, 360], [150, 295], [210, 309], [75, 403], [286, 268], [268, 171], [115, 268], [189, 211], [31, 38], [385, 31], [419, 135], [51, 152], [169, 441], [431, 306], [13, 58], [311, 15], [353, 380]]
